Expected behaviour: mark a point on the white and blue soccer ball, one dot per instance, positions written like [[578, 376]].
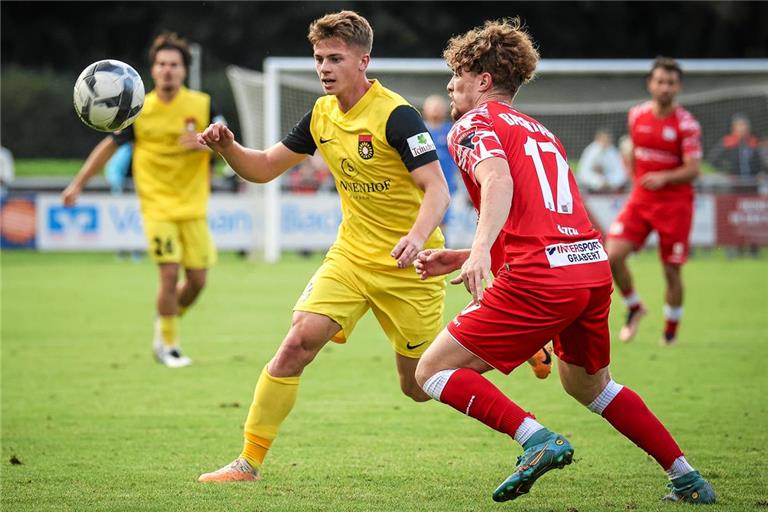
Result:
[[108, 95]]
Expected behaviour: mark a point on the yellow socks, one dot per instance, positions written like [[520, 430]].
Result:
[[167, 328], [273, 400], [255, 448], [180, 310]]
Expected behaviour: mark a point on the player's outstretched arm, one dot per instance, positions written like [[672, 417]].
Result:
[[495, 199], [431, 180], [438, 262], [92, 166], [250, 164]]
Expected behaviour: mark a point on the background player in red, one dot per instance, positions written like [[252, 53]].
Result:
[[665, 161], [555, 281]]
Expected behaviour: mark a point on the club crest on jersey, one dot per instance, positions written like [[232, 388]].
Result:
[[190, 124], [669, 133], [365, 146]]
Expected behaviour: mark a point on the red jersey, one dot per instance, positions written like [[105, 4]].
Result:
[[659, 145], [547, 239]]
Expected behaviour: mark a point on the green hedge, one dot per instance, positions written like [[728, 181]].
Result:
[[36, 168]]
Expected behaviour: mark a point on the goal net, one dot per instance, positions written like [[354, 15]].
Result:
[[572, 98]]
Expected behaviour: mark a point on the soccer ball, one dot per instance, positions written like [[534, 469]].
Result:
[[108, 95]]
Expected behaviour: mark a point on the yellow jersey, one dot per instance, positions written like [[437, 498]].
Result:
[[172, 182], [370, 150]]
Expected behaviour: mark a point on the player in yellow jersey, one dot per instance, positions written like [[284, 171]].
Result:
[[393, 196], [171, 170]]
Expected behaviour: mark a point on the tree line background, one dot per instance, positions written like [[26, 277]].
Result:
[[45, 45]]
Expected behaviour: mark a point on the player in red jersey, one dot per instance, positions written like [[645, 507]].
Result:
[[665, 161], [553, 279]]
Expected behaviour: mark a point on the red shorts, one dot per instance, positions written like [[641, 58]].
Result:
[[672, 220], [513, 322]]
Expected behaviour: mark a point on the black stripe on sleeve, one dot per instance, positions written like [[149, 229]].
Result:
[[406, 123], [300, 140], [124, 135]]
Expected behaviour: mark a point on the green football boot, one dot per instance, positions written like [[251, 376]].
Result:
[[691, 488], [553, 452]]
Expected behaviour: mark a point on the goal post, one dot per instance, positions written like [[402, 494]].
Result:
[[572, 97]]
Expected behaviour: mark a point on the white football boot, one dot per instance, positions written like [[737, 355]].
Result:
[[169, 355]]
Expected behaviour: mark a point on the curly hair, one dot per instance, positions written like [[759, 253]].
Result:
[[500, 47], [347, 26], [171, 41]]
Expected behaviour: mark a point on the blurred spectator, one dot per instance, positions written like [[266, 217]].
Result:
[[117, 170], [762, 150], [626, 150], [435, 113], [7, 170], [738, 153], [310, 176], [601, 168]]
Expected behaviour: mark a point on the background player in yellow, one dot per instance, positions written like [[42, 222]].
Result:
[[393, 196], [171, 170]]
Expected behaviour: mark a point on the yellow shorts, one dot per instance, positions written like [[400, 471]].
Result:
[[188, 242], [409, 310]]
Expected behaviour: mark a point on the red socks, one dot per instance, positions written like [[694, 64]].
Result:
[[629, 415], [472, 394]]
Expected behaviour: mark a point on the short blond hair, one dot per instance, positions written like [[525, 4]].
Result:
[[347, 26], [500, 47]]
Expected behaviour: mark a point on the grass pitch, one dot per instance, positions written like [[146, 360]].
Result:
[[96, 424]]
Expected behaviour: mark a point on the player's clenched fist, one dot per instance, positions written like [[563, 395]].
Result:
[[69, 196], [217, 137]]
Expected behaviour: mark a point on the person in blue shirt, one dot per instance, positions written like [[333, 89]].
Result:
[[435, 114]]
